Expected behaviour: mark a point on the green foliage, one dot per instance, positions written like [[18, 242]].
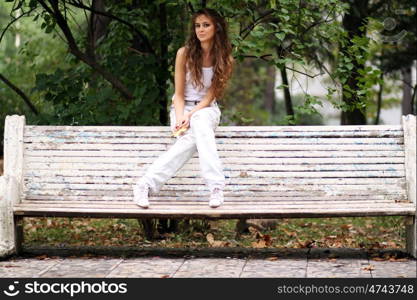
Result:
[[302, 36], [358, 232]]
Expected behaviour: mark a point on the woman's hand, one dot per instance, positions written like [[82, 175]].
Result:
[[183, 122]]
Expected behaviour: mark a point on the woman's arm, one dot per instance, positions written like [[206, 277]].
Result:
[[178, 100]]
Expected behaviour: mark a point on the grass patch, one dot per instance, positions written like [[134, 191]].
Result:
[[360, 232]]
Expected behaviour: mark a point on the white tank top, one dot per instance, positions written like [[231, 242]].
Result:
[[192, 93]]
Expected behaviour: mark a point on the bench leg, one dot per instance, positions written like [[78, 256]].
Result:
[[7, 246], [411, 232], [18, 233]]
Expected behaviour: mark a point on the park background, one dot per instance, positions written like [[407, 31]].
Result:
[[298, 62]]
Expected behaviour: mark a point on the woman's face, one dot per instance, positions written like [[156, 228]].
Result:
[[204, 28]]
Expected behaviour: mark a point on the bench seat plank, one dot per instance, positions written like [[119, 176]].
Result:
[[227, 210], [145, 154], [229, 160], [164, 140], [180, 191], [221, 147], [233, 167], [229, 129], [236, 200], [120, 177]]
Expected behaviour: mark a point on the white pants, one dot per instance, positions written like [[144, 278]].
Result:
[[199, 137]]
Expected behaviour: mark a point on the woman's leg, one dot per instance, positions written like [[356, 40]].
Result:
[[169, 163], [203, 124]]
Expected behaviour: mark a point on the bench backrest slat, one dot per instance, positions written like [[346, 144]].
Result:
[[303, 163]]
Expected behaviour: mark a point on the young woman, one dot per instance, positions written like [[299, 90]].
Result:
[[202, 69]]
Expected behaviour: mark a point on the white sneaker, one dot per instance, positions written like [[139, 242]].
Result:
[[216, 198], [141, 194]]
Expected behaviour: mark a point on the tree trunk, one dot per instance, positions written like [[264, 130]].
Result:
[[97, 27], [164, 74], [407, 91], [379, 100], [270, 91], [352, 22], [287, 94]]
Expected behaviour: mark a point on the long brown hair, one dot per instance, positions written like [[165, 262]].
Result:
[[220, 52]]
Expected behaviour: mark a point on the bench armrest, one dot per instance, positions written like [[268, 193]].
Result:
[[7, 193], [2, 187]]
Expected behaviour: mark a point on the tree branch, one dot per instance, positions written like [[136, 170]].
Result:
[[374, 8], [20, 93], [111, 16], [14, 20], [254, 23], [263, 57], [115, 82]]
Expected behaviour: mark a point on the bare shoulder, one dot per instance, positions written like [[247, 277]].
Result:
[[181, 52], [180, 59]]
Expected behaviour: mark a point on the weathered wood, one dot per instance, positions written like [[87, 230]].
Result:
[[18, 234], [229, 133], [221, 147], [239, 207], [225, 160], [13, 146], [113, 187], [12, 180], [267, 175], [6, 246], [120, 190], [82, 139], [218, 213], [228, 129], [271, 172], [232, 183], [409, 124], [203, 200], [410, 129], [223, 154], [399, 168]]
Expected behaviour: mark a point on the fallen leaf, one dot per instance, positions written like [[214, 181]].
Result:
[[267, 238], [41, 257], [214, 243], [210, 238], [259, 244], [346, 226], [307, 244], [253, 230], [272, 258], [369, 268], [197, 234], [289, 233], [378, 259]]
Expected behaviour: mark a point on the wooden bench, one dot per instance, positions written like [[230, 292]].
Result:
[[271, 172]]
